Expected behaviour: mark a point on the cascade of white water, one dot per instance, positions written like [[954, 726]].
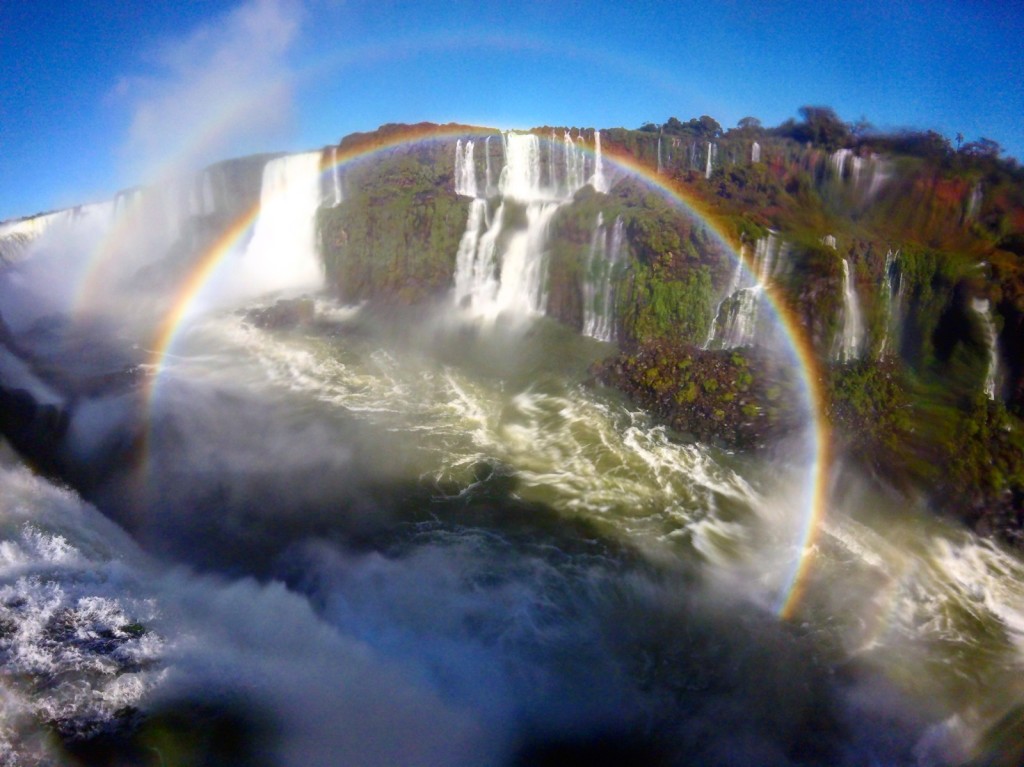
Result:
[[829, 241], [766, 254], [839, 158], [973, 202], [716, 332], [556, 162], [465, 258], [27, 229], [880, 171], [335, 177], [524, 265], [848, 348], [488, 179], [857, 164], [603, 259], [505, 271], [574, 166], [478, 274], [465, 169], [711, 156], [736, 319], [755, 152], [282, 253], [981, 307], [740, 318], [18, 238], [521, 177], [892, 293], [661, 167], [598, 182]]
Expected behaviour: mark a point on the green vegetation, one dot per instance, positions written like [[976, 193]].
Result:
[[734, 398], [395, 236], [670, 308]]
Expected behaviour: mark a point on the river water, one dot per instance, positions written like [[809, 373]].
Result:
[[410, 539]]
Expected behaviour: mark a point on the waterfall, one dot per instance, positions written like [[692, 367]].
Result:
[[880, 171], [488, 179], [503, 270], [736, 319], [598, 182], [282, 253], [465, 169], [661, 167], [892, 298], [522, 288], [872, 171], [767, 252], [973, 202], [848, 348], [465, 277], [755, 152], [981, 307], [857, 163], [829, 241], [738, 312], [712, 151], [599, 279], [335, 177], [838, 161], [15, 236], [575, 173]]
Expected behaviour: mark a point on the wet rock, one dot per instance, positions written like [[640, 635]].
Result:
[[286, 314]]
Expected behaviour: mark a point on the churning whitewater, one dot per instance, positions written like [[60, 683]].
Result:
[[347, 535]]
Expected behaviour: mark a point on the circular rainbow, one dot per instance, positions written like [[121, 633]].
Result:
[[362, 147]]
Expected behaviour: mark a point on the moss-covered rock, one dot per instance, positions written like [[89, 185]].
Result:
[[734, 398], [395, 236]]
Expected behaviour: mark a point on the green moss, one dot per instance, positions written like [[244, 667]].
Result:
[[396, 234], [663, 307]]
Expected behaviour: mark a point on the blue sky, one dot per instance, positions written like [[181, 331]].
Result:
[[99, 96]]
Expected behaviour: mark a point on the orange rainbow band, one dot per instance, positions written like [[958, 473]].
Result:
[[364, 146]]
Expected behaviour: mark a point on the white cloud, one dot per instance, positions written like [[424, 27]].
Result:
[[221, 90]]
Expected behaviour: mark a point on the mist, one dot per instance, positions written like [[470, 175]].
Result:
[[223, 90]]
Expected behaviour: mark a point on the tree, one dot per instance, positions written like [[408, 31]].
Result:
[[983, 147], [959, 140], [823, 127], [862, 127], [708, 127], [674, 127], [749, 124], [703, 127]]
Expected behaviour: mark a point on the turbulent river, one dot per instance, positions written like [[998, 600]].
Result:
[[410, 540]]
